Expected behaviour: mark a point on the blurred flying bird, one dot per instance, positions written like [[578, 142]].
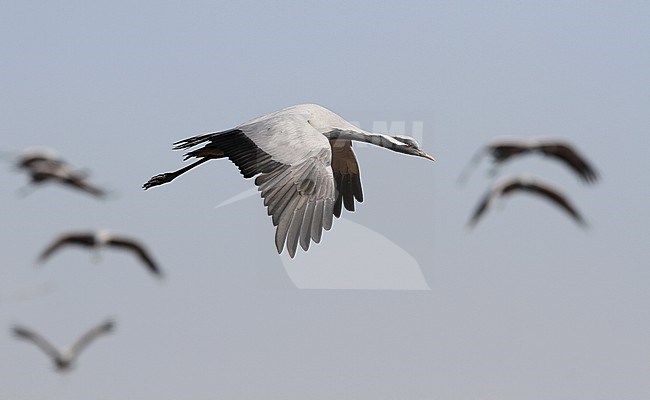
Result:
[[64, 358], [66, 175], [303, 162], [44, 165], [504, 149], [99, 239], [523, 184]]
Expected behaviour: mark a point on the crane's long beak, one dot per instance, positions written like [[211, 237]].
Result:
[[427, 156]]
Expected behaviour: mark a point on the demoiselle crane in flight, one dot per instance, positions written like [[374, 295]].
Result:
[[528, 184], [102, 238], [506, 148], [43, 165], [64, 174], [303, 162], [64, 358]]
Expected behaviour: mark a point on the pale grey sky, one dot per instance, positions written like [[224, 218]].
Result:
[[526, 306]]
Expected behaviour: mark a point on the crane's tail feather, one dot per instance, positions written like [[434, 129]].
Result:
[[204, 152], [207, 151], [196, 140]]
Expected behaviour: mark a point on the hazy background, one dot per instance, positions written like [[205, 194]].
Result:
[[526, 306]]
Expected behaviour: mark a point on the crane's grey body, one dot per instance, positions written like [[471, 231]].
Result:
[[524, 183], [303, 162], [64, 358]]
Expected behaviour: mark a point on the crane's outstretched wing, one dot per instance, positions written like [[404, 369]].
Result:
[[500, 150], [482, 207], [505, 150], [346, 175], [292, 162], [473, 162], [567, 154], [84, 239], [79, 181], [554, 196], [38, 340], [81, 343], [138, 249]]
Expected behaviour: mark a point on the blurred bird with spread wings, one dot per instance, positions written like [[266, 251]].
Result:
[[504, 149], [102, 238], [43, 165], [528, 184], [64, 358]]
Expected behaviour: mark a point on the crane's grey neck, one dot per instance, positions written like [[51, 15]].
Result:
[[377, 139]]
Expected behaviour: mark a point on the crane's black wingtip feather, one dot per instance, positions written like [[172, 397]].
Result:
[[582, 223], [471, 224], [110, 324], [17, 330]]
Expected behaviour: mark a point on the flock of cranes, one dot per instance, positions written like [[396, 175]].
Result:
[[41, 166], [306, 170]]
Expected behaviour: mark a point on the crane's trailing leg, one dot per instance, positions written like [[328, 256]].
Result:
[[170, 176]]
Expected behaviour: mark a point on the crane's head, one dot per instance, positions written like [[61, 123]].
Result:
[[411, 146]]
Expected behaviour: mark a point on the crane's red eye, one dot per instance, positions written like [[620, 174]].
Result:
[[409, 144]]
